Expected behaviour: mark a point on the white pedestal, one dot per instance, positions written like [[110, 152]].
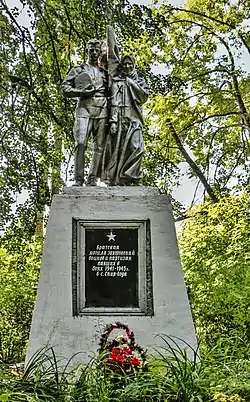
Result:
[[57, 319]]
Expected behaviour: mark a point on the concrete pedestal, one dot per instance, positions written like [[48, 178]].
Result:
[[61, 321]]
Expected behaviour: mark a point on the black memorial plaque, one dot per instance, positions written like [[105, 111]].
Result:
[[111, 267]]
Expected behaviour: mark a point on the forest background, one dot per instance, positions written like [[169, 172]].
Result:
[[194, 58]]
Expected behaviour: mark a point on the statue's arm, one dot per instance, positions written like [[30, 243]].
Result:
[[68, 89], [139, 89]]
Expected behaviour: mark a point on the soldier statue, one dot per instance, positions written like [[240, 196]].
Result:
[[88, 83]]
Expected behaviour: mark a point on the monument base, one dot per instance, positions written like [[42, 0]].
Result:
[[110, 255]]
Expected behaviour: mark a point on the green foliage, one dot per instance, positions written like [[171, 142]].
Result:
[[215, 254], [219, 397], [185, 377], [227, 367], [19, 270], [201, 104], [172, 376], [47, 380]]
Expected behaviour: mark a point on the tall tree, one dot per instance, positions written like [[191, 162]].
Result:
[[202, 112]]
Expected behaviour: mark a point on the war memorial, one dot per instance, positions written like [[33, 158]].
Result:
[[110, 252]]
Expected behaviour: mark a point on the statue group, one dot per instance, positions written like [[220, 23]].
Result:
[[109, 108]]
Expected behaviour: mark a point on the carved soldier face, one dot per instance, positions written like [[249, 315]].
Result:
[[127, 65], [94, 50]]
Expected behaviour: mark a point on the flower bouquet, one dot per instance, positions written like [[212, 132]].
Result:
[[121, 355]]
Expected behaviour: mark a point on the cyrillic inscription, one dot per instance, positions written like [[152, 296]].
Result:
[[111, 267]]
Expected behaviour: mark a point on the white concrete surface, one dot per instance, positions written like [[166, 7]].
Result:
[[53, 323]]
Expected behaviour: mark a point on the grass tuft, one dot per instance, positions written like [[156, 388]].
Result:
[[174, 374]]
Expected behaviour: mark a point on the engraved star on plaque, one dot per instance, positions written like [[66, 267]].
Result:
[[111, 236]]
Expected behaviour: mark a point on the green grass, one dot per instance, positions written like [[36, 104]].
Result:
[[221, 374]]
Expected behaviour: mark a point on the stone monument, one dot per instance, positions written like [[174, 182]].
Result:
[[110, 253]]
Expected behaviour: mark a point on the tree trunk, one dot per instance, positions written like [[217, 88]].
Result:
[[191, 163]]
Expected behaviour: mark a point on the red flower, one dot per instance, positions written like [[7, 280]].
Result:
[[135, 362], [121, 358], [127, 351], [115, 352]]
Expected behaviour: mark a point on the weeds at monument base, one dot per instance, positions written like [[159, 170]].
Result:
[[171, 376]]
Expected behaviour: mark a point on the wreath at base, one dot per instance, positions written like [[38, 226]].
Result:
[[122, 355]]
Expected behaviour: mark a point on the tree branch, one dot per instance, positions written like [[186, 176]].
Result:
[[191, 163], [26, 85], [231, 26], [212, 116], [21, 30]]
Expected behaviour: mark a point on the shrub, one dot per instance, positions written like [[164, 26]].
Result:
[[19, 272], [215, 252]]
